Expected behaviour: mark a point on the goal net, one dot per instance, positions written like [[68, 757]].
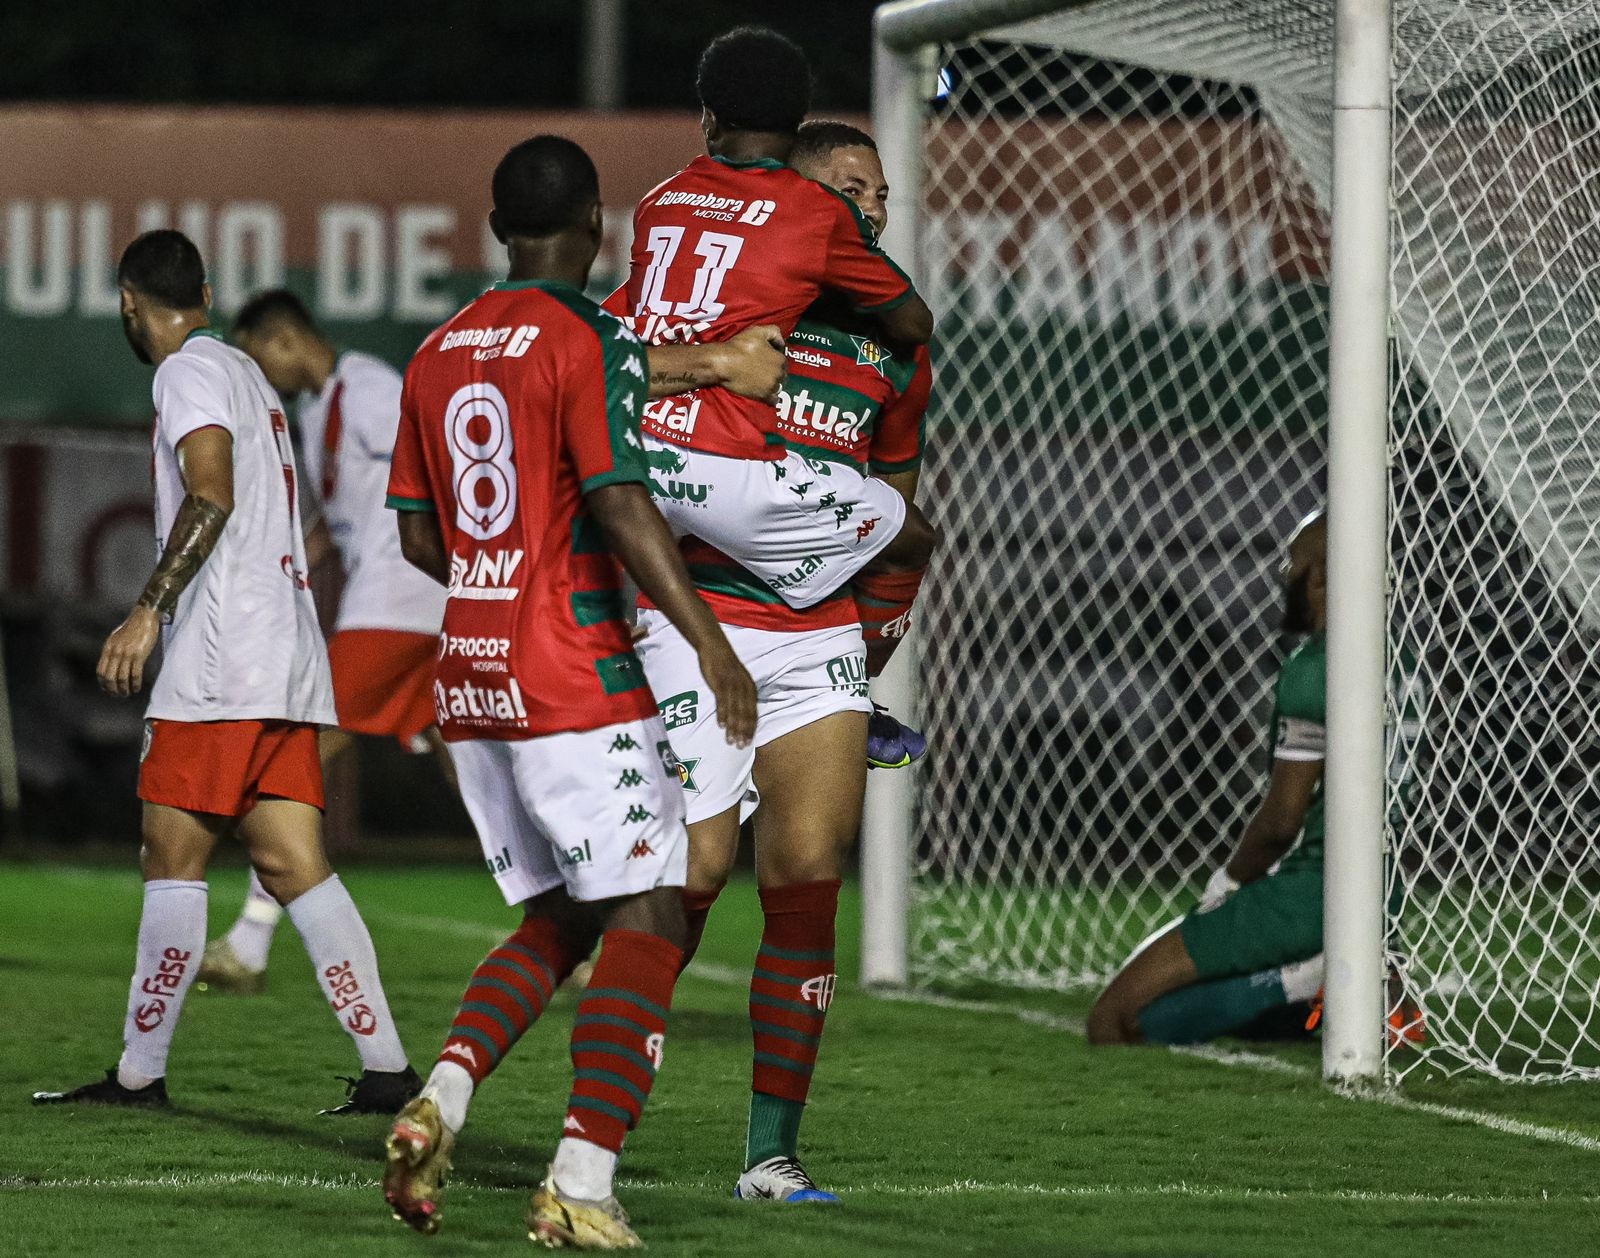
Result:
[[1125, 231]]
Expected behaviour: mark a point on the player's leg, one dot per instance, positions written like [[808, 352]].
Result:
[[812, 783], [283, 833], [1204, 1011]]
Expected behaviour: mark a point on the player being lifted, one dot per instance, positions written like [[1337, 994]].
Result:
[[519, 477], [849, 404], [231, 730], [387, 632], [738, 238]]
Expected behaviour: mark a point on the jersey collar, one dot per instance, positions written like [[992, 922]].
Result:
[[210, 332], [549, 286], [754, 163]]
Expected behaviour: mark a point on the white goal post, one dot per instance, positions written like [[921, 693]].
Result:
[[1201, 265]]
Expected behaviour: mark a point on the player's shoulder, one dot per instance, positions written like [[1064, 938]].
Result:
[[205, 359], [1303, 680], [360, 369]]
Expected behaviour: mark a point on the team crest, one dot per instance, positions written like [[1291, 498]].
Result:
[[870, 354], [686, 770]]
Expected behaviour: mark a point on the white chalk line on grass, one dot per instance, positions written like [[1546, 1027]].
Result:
[[955, 1188], [728, 976]]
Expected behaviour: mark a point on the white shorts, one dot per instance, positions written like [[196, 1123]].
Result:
[[803, 526], [600, 810], [800, 678]]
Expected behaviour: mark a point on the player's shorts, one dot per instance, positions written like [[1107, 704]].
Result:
[[800, 678], [1267, 923], [224, 767], [804, 526], [383, 681], [599, 810]]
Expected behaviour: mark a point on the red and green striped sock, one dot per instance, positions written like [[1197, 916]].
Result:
[[618, 1035], [506, 994], [790, 991]]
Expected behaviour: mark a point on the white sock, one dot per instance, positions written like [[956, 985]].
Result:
[[172, 936], [1301, 979], [450, 1088], [582, 1170], [347, 969], [251, 936]]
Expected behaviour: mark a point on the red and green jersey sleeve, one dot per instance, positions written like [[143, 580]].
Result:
[[897, 438], [855, 266], [602, 399]]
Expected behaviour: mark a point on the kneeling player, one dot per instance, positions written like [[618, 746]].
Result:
[[519, 479], [231, 735], [386, 638]]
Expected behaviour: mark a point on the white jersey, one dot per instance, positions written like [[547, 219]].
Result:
[[347, 433], [243, 643]]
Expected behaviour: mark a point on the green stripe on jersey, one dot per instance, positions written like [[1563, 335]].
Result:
[[622, 355], [620, 673], [396, 503], [593, 607], [733, 581]]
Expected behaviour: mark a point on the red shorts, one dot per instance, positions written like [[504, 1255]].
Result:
[[383, 681], [224, 767]]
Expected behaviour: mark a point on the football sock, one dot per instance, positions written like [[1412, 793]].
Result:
[[172, 935], [696, 908], [251, 936], [1203, 1011], [1301, 979], [583, 1170], [504, 997], [883, 602], [616, 1044], [790, 991], [347, 969]]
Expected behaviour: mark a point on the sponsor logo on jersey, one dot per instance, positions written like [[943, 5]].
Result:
[[702, 200], [680, 709], [474, 648], [819, 991], [512, 342], [807, 567], [668, 462], [669, 762], [686, 770], [674, 415], [848, 673], [806, 415], [641, 849], [580, 855], [486, 576], [685, 491], [479, 704], [870, 354], [809, 357], [501, 862]]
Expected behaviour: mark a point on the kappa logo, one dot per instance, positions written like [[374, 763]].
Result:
[[641, 849], [819, 991], [630, 777], [455, 1048], [622, 742], [841, 514], [572, 1124], [638, 813], [800, 490], [870, 354], [866, 527], [653, 1046]]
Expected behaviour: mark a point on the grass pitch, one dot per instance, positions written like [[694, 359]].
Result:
[[982, 1127]]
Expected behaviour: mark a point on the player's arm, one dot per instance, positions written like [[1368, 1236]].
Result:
[[411, 495], [751, 364], [205, 462], [1272, 831], [896, 454], [854, 266], [422, 543], [639, 537]]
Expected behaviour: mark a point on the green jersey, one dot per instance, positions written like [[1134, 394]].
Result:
[[1299, 732]]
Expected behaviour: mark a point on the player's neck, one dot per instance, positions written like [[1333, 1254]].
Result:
[[751, 146], [551, 259], [172, 330]]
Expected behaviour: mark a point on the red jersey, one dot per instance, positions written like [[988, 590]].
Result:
[[526, 400], [847, 399], [724, 245]]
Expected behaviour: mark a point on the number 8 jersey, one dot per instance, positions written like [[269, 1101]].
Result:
[[526, 400]]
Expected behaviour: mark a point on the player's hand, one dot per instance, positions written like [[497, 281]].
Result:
[[753, 364], [1219, 887], [734, 691], [121, 668]]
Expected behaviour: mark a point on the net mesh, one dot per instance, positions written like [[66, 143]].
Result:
[[1131, 415]]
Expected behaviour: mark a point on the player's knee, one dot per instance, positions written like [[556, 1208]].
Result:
[[818, 860], [1107, 1022], [161, 859], [657, 912], [709, 869]]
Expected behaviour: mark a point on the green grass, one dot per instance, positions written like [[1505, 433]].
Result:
[[950, 1131]]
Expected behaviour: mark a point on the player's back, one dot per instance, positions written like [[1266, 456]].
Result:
[[523, 402], [349, 432], [722, 246], [244, 642]]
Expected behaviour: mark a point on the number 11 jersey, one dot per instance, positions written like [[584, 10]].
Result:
[[526, 400]]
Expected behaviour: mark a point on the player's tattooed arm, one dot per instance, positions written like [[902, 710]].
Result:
[[194, 535], [751, 364], [205, 461]]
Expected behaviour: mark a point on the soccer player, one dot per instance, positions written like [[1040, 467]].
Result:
[[1254, 943], [849, 404], [231, 730], [386, 636], [519, 477], [738, 238]]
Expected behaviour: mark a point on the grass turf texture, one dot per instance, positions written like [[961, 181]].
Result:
[[948, 1131]]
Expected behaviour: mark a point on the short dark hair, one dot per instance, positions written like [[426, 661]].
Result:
[[165, 265], [755, 79], [270, 307], [543, 186], [821, 136]]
